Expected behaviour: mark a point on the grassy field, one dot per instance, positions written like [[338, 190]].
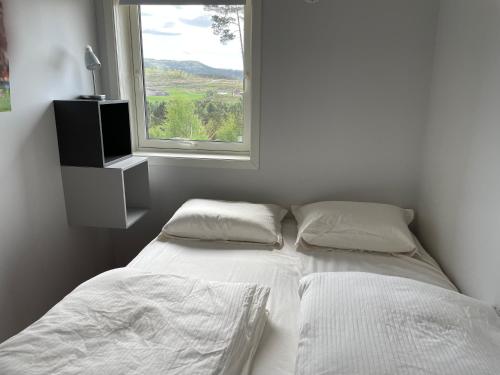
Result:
[[182, 105], [165, 85], [4, 101], [177, 93]]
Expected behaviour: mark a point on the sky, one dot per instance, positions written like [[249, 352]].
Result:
[[174, 32]]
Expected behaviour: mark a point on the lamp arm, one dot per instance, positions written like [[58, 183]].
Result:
[[93, 81]]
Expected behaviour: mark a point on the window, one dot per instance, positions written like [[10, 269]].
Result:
[[194, 84]]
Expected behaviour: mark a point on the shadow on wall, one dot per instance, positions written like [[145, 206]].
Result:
[[39, 245], [226, 185]]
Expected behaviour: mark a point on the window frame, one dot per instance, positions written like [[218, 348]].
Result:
[[187, 149]]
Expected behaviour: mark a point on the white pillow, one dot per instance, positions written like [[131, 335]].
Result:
[[205, 219], [355, 226]]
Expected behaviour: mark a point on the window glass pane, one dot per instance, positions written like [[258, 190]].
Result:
[[193, 71]]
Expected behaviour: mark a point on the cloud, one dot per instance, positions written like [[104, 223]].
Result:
[[168, 25], [201, 21], [159, 32]]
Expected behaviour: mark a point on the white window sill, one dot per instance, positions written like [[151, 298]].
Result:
[[199, 160]]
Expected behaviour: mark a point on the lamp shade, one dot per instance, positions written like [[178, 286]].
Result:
[[91, 60]]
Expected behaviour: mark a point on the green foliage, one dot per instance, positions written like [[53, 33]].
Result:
[[182, 105], [157, 112], [231, 129], [180, 122], [205, 119], [212, 113]]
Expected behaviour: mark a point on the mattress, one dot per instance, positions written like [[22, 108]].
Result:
[[281, 270]]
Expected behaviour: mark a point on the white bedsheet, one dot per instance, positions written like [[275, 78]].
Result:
[[280, 270], [362, 323], [126, 321], [421, 266], [241, 263]]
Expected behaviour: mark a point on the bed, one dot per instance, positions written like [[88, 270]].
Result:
[[281, 270], [211, 245]]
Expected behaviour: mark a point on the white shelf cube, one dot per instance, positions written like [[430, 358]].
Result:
[[116, 196]]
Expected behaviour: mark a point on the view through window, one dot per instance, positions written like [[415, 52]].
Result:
[[193, 72]]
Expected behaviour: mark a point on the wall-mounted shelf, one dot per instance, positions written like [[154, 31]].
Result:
[[104, 185], [116, 196], [92, 133]]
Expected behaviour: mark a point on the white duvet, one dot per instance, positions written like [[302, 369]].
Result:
[[126, 321], [362, 323]]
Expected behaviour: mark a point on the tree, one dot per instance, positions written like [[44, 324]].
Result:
[[212, 113], [157, 112], [227, 22], [182, 121], [230, 131]]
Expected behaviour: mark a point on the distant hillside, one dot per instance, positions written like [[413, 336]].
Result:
[[194, 67]]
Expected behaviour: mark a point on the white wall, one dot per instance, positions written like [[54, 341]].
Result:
[[344, 101], [41, 258], [459, 208]]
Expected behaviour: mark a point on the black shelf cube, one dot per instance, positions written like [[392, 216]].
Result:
[[92, 133]]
